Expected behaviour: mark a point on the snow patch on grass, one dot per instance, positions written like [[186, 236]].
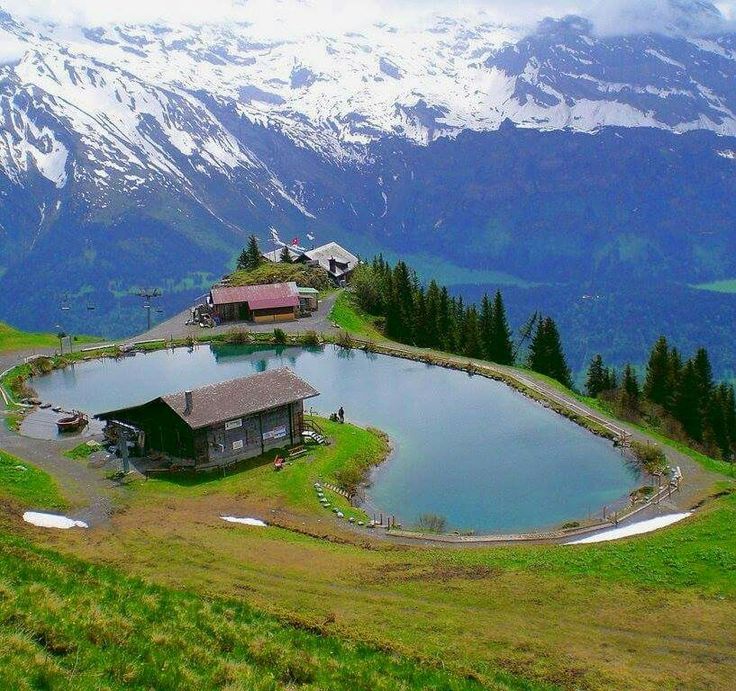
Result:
[[245, 521], [51, 520], [633, 529]]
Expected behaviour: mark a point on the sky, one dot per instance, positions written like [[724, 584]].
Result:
[[338, 16]]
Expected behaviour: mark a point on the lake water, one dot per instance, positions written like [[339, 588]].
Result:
[[467, 448]]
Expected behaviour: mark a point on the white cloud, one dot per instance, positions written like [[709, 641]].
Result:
[[297, 17], [11, 49]]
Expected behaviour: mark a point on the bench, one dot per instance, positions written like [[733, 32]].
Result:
[[296, 451]]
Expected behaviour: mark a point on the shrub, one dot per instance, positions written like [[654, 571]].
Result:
[[237, 337], [345, 340], [652, 458], [279, 336], [431, 523], [311, 338]]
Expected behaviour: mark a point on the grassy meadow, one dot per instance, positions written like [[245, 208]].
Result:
[[12, 339], [67, 624], [348, 316], [21, 481]]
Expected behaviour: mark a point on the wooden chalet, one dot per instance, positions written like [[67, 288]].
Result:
[[222, 423], [272, 302]]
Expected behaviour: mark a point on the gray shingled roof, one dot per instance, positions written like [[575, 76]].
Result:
[[232, 399], [240, 397]]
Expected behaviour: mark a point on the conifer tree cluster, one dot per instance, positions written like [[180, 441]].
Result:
[[545, 352], [430, 317], [683, 391], [250, 257]]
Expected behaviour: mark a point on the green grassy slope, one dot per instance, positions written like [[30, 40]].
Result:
[[21, 481], [12, 339], [68, 624]]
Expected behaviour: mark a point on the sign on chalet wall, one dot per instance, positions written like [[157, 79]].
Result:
[[276, 433], [233, 424]]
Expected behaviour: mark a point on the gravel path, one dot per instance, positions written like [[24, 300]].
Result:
[[90, 493]]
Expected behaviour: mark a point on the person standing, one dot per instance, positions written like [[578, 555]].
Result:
[[341, 414]]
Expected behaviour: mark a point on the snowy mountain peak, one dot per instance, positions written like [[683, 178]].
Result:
[[166, 101]]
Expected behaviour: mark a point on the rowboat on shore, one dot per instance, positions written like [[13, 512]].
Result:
[[72, 423]]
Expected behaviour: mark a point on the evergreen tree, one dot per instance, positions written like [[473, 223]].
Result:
[[252, 254], [611, 379], [688, 405], [630, 392], [704, 372], [285, 256], [445, 320], [730, 418], [434, 329], [419, 328], [675, 372], [472, 346], [657, 382], [717, 423], [486, 327], [242, 263], [546, 355], [597, 379], [502, 349]]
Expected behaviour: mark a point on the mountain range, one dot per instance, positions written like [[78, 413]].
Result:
[[589, 173]]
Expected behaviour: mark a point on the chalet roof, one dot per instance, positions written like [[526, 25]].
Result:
[[346, 261], [259, 297], [233, 399]]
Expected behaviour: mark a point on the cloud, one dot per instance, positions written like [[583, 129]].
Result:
[[11, 49], [299, 17], [644, 16]]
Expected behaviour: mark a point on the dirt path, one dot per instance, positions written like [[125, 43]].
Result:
[[91, 495]]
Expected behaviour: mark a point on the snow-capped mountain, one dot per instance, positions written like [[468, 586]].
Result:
[[145, 153], [135, 93]]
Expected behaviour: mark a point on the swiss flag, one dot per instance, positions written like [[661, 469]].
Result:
[[295, 241]]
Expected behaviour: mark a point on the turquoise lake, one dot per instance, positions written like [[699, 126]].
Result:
[[467, 448]]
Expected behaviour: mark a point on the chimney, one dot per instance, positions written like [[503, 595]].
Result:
[[188, 402]]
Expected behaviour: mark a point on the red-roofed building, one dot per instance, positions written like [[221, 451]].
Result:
[[272, 302]]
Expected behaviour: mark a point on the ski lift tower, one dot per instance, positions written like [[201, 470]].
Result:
[[148, 296]]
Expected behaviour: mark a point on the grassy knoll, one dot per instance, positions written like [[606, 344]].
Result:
[[344, 462], [347, 315], [21, 481], [268, 272], [68, 624]]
